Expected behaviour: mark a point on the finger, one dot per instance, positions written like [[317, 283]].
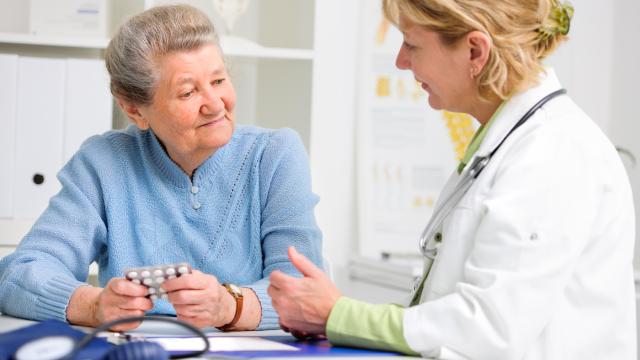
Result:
[[111, 300], [189, 310], [123, 314], [135, 303], [304, 265], [300, 334], [194, 281], [126, 326], [130, 313], [187, 297], [280, 301], [284, 328], [275, 303], [194, 320], [275, 294], [283, 306], [272, 291], [187, 281], [125, 287], [278, 279]]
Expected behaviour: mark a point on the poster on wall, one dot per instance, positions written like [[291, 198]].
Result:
[[406, 150]]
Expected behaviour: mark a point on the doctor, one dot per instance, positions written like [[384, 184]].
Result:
[[534, 260]]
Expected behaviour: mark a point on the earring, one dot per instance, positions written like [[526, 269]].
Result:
[[472, 72]]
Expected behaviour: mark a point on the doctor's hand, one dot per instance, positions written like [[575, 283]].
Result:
[[303, 304], [92, 306], [200, 300]]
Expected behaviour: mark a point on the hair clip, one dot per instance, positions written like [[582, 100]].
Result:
[[560, 15]]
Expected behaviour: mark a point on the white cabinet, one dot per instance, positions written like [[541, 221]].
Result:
[[8, 103], [625, 119], [38, 136], [291, 66]]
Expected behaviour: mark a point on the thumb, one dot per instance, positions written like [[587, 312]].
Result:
[[304, 265]]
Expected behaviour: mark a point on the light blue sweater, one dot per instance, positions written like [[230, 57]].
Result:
[[124, 203]]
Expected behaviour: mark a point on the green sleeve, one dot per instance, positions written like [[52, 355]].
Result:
[[359, 324]]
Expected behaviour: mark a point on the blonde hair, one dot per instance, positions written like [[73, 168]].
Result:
[[132, 54], [522, 32]]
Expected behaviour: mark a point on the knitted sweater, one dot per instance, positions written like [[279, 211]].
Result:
[[124, 203]]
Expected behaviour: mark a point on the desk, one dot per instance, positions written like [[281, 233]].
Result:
[[8, 323]]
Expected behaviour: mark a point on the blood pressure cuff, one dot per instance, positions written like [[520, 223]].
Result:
[[11, 341]]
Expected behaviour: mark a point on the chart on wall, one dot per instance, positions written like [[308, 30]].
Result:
[[406, 150]]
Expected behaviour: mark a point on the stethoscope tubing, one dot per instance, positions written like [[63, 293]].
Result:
[[427, 242]]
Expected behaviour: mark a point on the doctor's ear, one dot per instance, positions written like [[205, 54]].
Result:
[[133, 113], [479, 45]]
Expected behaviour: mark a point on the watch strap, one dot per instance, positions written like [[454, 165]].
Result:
[[237, 295]]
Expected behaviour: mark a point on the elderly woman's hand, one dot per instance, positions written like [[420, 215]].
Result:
[[93, 306], [121, 298], [200, 300], [303, 304]]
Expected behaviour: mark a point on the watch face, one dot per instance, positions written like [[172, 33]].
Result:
[[236, 290]]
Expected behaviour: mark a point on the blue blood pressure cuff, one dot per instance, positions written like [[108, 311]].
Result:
[[53, 339], [49, 336]]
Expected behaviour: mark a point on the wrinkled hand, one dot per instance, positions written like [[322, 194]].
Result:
[[121, 298], [200, 300], [301, 335], [303, 304]]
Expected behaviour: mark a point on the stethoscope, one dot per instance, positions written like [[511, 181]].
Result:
[[430, 238], [64, 347]]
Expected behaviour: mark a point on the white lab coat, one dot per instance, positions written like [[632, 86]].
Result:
[[536, 259]]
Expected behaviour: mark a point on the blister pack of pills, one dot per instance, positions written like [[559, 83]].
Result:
[[153, 276]]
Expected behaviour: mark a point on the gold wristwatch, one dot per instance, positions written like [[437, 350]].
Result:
[[236, 292]]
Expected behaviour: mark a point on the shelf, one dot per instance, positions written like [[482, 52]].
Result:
[[64, 41], [236, 46], [231, 45], [398, 274]]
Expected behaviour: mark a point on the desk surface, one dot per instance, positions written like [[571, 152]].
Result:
[[9, 323]]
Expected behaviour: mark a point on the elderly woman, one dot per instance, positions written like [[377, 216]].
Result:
[[533, 259], [185, 184]]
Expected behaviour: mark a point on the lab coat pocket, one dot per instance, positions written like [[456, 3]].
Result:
[[457, 241]]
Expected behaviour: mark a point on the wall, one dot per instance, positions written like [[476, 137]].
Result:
[[332, 130], [625, 122], [585, 63], [600, 67]]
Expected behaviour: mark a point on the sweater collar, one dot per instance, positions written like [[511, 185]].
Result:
[[170, 171]]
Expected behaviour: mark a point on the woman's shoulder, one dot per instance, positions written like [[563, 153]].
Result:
[[111, 138], [271, 148], [564, 121], [281, 135], [111, 145], [268, 139]]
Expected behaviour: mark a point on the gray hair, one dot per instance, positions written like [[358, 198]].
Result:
[[132, 54]]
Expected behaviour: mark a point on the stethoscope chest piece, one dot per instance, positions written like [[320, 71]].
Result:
[[431, 247]]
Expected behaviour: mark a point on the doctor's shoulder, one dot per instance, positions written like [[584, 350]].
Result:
[[569, 121]]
